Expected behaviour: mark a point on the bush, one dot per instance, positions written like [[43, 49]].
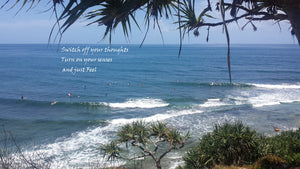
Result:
[[195, 158], [227, 144], [293, 160], [236, 144], [273, 162], [286, 145]]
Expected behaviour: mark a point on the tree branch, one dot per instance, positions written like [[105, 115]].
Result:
[[166, 152], [249, 16]]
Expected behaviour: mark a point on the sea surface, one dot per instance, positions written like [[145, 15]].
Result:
[[70, 99]]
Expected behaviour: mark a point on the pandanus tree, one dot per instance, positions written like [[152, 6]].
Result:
[[112, 13], [153, 140]]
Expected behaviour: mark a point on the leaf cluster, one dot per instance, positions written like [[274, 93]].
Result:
[[227, 144], [237, 144], [148, 138], [286, 145]]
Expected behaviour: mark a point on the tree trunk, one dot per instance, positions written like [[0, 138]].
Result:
[[292, 9], [158, 166], [294, 17]]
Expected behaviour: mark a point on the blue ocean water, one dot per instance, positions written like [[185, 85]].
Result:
[[69, 114]]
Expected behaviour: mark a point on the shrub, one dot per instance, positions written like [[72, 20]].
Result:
[[270, 161], [293, 160], [286, 145], [195, 158], [227, 144]]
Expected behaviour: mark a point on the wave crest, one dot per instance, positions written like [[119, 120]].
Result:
[[145, 103]]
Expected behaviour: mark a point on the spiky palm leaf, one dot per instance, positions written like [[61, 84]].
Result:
[[111, 150], [159, 129], [189, 21], [136, 132], [188, 17], [32, 2], [115, 12], [156, 9]]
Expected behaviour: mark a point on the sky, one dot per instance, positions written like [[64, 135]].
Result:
[[34, 26]]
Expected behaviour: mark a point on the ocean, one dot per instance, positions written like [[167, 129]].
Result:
[[70, 99]]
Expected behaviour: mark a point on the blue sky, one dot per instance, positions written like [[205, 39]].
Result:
[[34, 27]]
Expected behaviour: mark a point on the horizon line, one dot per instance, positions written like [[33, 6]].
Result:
[[148, 44]]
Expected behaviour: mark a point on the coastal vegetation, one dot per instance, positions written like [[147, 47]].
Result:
[[228, 146], [153, 140], [236, 144]]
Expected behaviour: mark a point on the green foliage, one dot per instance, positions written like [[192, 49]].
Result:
[[111, 150], [287, 143], [237, 144], [189, 21], [196, 158], [148, 138], [137, 131], [293, 159], [227, 144], [268, 162]]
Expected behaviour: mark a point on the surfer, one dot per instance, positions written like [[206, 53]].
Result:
[[211, 84], [22, 97], [53, 103], [70, 94]]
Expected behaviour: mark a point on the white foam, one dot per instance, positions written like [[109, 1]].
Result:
[[175, 164], [145, 103], [158, 117], [176, 160], [280, 86], [213, 103], [269, 95], [269, 99], [81, 148]]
